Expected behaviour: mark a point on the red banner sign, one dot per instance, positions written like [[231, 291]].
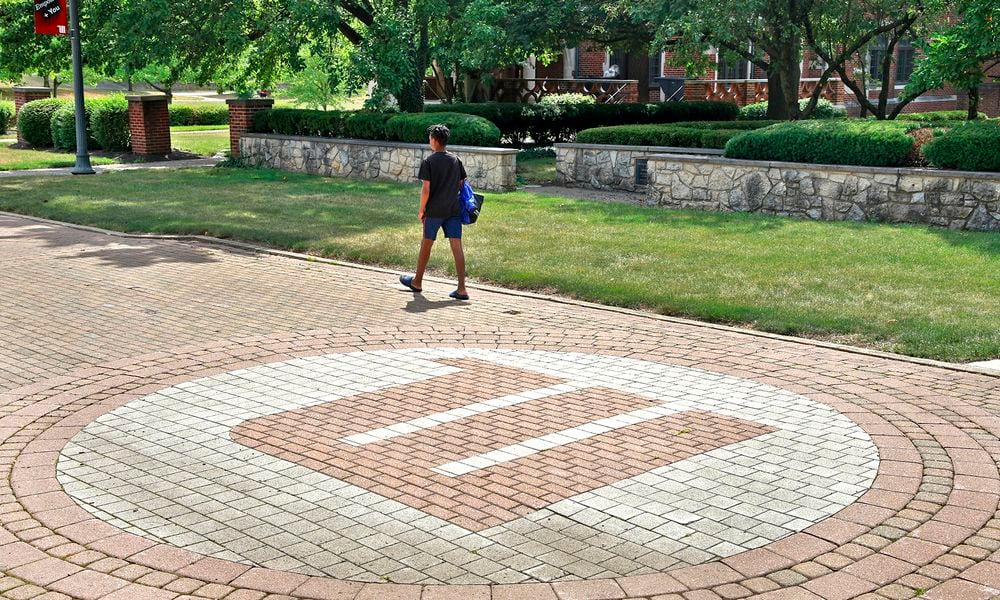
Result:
[[51, 17]]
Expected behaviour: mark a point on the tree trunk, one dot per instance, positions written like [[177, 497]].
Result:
[[973, 103], [638, 68], [411, 97], [790, 65], [777, 108]]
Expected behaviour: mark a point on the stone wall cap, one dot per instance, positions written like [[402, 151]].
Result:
[[644, 149], [262, 101], [354, 142], [146, 97], [31, 88], [899, 171]]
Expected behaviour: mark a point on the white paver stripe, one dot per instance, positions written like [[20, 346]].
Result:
[[448, 416], [554, 440]]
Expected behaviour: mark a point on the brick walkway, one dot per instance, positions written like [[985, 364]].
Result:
[[191, 421]]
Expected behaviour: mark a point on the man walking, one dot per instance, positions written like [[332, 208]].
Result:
[[443, 175]]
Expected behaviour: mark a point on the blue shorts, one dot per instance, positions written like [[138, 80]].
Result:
[[452, 227]]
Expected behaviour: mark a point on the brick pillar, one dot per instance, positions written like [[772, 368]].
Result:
[[149, 120], [24, 95], [241, 111]]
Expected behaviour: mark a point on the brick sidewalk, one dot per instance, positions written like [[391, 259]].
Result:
[[189, 421]]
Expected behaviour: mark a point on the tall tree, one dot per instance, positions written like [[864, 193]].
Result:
[[842, 32], [22, 51], [767, 33], [961, 54]]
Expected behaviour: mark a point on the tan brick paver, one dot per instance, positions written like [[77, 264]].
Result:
[[90, 322]]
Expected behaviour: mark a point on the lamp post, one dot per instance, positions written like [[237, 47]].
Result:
[[82, 166]]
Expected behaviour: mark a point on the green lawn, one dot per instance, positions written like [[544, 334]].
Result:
[[16, 160], [200, 142], [185, 128], [537, 169], [916, 290]]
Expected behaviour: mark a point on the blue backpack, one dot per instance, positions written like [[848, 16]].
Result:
[[472, 204]]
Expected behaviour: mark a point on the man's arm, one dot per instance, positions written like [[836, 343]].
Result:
[[425, 195]]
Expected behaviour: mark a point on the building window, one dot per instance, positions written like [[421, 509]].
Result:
[[876, 55], [731, 70], [655, 66], [904, 61]]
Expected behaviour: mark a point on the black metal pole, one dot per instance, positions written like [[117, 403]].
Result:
[[82, 156]]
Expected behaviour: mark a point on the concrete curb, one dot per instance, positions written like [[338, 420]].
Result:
[[962, 368]]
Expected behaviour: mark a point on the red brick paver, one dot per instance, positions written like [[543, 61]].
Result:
[[91, 323]]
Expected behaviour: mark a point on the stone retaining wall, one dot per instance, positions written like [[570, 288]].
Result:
[[954, 199], [608, 167], [490, 169]]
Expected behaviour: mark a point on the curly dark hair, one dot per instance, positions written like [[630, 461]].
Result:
[[439, 132]]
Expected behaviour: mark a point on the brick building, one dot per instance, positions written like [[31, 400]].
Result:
[[744, 83]]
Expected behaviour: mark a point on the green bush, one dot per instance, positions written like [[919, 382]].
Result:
[[109, 123], [967, 147], [35, 121], [6, 115], [564, 99], [296, 121], [366, 125], [939, 117], [466, 130], [545, 123], [824, 110], [63, 126], [199, 114], [694, 134], [837, 142]]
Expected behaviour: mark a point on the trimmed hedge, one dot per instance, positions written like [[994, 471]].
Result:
[[197, 114], [824, 110], [366, 125], [834, 142], [63, 125], [466, 130], [939, 117], [969, 147], [695, 134], [35, 121], [546, 123], [6, 115], [109, 123], [295, 121]]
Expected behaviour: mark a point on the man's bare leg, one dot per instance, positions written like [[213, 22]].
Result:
[[422, 259], [459, 254]]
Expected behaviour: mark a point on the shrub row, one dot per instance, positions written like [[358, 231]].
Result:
[[695, 134], [199, 114], [555, 122], [52, 123], [938, 117], [467, 130], [6, 115], [836, 142], [824, 110], [970, 147]]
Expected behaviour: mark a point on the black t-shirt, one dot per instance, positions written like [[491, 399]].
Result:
[[445, 172]]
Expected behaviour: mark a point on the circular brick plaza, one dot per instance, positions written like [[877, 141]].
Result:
[[547, 451]]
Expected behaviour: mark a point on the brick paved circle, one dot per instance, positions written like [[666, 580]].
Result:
[[468, 466], [909, 517]]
